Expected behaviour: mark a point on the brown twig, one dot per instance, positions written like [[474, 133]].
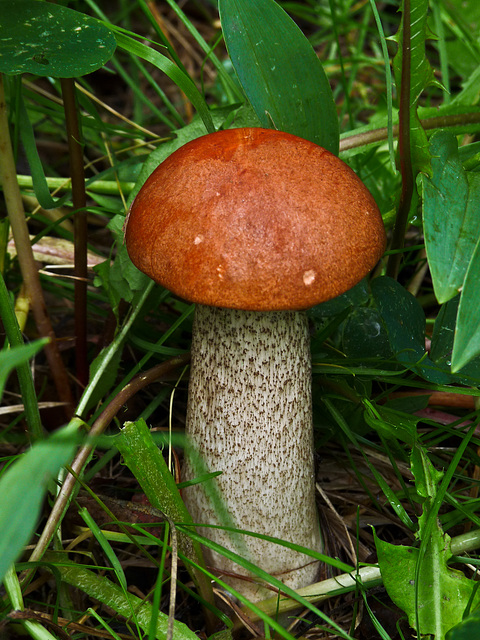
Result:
[[28, 268], [79, 199]]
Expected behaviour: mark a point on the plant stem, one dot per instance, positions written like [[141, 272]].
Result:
[[437, 122], [28, 268], [77, 172], [106, 187]]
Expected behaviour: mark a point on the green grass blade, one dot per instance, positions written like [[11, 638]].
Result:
[[105, 545], [175, 74], [388, 85], [231, 88], [279, 71], [23, 487]]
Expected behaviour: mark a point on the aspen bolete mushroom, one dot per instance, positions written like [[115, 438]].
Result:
[[255, 226]]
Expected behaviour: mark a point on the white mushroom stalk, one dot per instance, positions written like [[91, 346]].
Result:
[[250, 417]]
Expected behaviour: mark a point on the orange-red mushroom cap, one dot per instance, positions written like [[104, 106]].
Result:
[[254, 219]]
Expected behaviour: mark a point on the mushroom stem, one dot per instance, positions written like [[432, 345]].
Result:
[[250, 416]]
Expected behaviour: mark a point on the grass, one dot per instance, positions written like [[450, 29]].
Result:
[[396, 359]]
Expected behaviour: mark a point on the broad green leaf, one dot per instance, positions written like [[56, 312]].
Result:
[[466, 345], [468, 629], [443, 593], [23, 487], [279, 71], [450, 216], [419, 580], [50, 40], [124, 603]]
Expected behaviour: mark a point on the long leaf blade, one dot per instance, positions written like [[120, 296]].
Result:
[[23, 487], [279, 71]]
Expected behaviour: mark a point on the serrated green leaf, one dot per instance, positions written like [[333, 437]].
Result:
[[450, 216], [23, 487], [422, 73], [466, 345], [439, 599], [50, 40], [426, 476], [279, 71]]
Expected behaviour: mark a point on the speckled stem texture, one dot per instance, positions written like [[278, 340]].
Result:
[[250, 417]]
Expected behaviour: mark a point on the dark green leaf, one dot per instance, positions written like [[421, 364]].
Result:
[[403, 317], [450, 213], [467, 336], [50, 40], [442, 345], [364, 335], [279, 71], [467, 629], [404, 321]]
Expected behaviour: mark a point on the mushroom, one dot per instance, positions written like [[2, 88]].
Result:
[[255, 226]]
